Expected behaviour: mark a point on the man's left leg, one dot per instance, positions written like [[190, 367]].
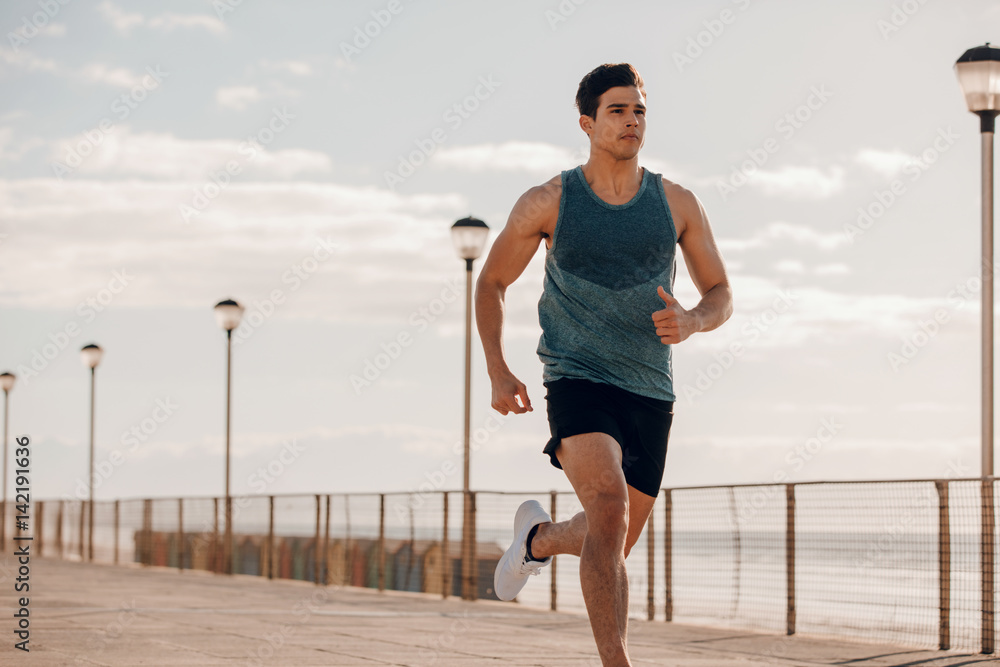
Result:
[[566, 537]]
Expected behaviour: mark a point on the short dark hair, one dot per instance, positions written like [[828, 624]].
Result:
[[599, 80]]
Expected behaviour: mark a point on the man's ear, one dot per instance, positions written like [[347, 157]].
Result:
[[587, 124]]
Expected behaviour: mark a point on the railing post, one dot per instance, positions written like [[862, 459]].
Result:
[[59, 529], [316, 550], [650, 568], [147, 531], [326, 544], [445, 556], [474, 565], [381, 542], [83, 507], [216, 562], [117, 521], [180, 534], [39, 531], [790, 558], [987, 547], [552, 565], [668, 555], [270, 537], [944, 567]]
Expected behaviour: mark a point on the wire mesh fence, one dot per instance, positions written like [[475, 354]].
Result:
[[908, 562]]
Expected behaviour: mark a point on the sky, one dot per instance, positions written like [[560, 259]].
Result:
[[309, 158]]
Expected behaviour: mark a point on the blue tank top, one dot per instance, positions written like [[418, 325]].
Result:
[[599, 292]]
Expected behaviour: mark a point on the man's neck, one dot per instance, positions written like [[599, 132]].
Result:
[[617, 176]]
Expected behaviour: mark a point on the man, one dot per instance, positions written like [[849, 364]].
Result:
[[609, 322]]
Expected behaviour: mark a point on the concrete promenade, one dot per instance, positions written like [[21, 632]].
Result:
[[84, 614]]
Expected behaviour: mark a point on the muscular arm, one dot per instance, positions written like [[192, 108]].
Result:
[[510, 254], [674, 324]]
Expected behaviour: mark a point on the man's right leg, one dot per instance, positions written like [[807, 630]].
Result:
[[592, 462]]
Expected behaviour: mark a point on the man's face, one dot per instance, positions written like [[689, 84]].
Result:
[[620, 126]]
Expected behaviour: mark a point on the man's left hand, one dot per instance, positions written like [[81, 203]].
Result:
[[673, 323]]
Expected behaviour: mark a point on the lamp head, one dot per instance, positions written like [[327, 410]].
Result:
[[228, 314], [469, 236], [91, 355]]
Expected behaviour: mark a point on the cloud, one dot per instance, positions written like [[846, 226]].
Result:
[[833, 269], [296, 67], [391, 249], [164, 156], [780, 231], [789, 266], [237, 97], [113, 76], [123, 21], [11, 153], [885, 163], [28, 61], [802, 182], [535, 157]]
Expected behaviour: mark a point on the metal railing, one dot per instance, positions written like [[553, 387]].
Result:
[[908, 562]]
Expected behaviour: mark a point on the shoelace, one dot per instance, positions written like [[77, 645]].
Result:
[[528, 567]]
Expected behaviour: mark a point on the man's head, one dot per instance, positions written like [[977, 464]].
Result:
[[612, 104]]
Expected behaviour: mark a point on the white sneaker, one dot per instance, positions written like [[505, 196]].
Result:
[[514, 568]]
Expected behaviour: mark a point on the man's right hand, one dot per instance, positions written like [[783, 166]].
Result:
[[506, 389]]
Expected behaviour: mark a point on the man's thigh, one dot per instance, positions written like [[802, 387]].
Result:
[[593, 464]]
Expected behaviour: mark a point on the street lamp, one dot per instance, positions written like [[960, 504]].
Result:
[[6, 383], [228, 314], [978, 73], [91, 356], [469, 236]]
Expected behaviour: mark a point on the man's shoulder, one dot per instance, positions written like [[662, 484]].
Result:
[[677, 191], [543, 199]]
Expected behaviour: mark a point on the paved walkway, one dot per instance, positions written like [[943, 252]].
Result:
[[85, 614]]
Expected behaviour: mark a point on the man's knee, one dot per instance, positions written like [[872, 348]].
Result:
[[607, 516]]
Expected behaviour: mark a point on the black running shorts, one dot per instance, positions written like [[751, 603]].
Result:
[[640, 424]]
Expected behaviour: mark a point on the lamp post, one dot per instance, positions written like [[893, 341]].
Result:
[[228, 314], [91, 356], [7, 383], [978, 72], [469, 237]]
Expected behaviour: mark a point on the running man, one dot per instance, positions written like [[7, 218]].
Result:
[[609, 322]]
